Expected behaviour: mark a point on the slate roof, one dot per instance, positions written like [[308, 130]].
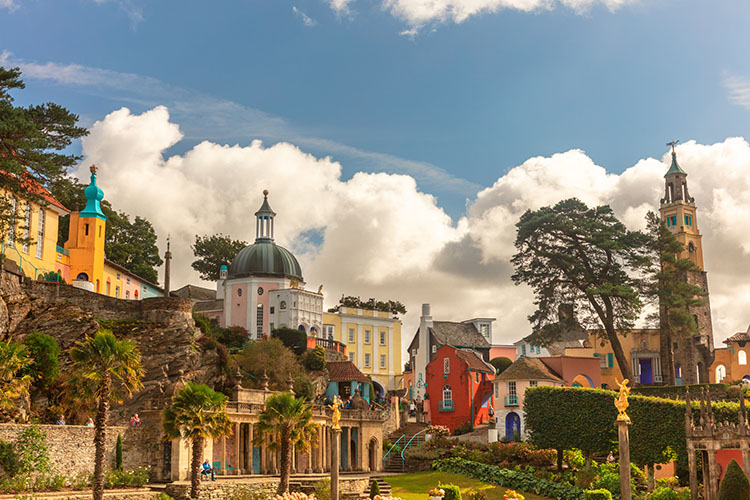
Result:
[[525, 368], [209, 305], [458, 334], [345, 371], [475, 362], [193, 292], [569, 337]]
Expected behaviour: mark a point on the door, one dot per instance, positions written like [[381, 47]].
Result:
[[256, 460], [512, 425], [647, 374]]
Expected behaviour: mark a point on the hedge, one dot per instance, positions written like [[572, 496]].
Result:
[[597, 495], [567, 417], [507, 478]]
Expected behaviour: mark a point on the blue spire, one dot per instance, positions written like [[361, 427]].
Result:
[[94, 196]]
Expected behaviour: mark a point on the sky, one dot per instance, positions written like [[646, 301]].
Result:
[[402, 139]]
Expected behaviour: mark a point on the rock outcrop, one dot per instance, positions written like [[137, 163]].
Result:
[[163, 328]]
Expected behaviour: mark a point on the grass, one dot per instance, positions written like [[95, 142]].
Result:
[[415, 486]]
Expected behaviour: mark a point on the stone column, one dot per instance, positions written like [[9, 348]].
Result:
[[224, 456], [263, 458], [335, 461], [249, 448], [693, 468], [622, 430], [712, 483], [236, 464], [329, 448], [319, 452], [745, 447]]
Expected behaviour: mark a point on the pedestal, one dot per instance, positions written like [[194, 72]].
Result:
[[335, 462], [624, 437]]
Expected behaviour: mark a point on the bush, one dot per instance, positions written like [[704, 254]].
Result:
[[452, 492], [31, 449], [9, 464], [295, 340], [476, 495], [126, 479], [734, 484], [672, 482], [464, 428], [663, 493], [163, 496], [597, 495], [45, 352], [501, 364], [508, 478], [437, 431], [315, 359], [374, 489], [323, 489], [118, 453]]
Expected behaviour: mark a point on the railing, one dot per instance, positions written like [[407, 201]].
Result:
[[37, 271], [511, 401], [415, 436], [317, 410], [388, 453], [330, 345], [62, 250], [445, 405]]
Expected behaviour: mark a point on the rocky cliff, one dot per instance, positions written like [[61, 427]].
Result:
[[163, 328]]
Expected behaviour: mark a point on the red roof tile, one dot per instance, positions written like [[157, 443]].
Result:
[[345, 371]]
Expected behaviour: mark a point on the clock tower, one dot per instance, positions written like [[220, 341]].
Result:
[[692, 356]]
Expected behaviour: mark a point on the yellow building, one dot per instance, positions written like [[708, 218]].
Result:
[[82, 261], [373, 343]]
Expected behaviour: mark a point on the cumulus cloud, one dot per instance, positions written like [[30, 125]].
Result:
[[340, 7], [383, 237]]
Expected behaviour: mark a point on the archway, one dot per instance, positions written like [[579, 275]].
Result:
[[302, 328], [372, 453], [721, 373], [379, 390], [512, 425], [582, 380], [82, 277]]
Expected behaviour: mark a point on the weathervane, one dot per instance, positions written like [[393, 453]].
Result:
[[673, 144]]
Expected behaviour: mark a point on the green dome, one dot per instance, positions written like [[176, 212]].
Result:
[[265, 258]]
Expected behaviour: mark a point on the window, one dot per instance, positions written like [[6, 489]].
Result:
[[742, 357], [127, 294], [282, 305], [497, 391], [271, 310], [107, 287], [523, 349], [382, 338], [351, 335], [117, 292], [351, 357], [367, 336], [533, 383], [413, 352], [86, 229], [26, 227], [12, 224], [603, 362], [610, 360], [446, 366], [434, 349], [691, 247], [721, 372], [674, 345], [40, 234], [512, 394], [367, 360], [538, 349], [484, 329], [382, 361], [688, 220], [271, 327], [447, 393], [674, 220], [678, 371], [259, 321]]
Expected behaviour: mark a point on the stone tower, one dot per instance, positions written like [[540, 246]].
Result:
[[692, 356]]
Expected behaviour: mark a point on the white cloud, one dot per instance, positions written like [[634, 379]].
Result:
[[306, 20], [340, 7], [383, 237], [739, 90], [11, 5]]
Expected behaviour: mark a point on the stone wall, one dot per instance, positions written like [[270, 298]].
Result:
[[71, 447], [139, 494], [222, 489]]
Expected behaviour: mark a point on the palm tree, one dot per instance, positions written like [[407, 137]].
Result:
[[196, 413], [13, 358], [289, 421], [104, 370]]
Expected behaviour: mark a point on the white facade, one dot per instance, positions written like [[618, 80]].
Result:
[[483, 326], [524, 348], [422, 356], [297, 308]]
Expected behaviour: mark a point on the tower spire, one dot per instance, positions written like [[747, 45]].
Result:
[[264, 220], [167, 268], [94, 196]]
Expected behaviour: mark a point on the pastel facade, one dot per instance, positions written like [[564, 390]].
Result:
[[82, 261], [643, 350], [731, 362], [459, 388], [503, 351], [373, 343]]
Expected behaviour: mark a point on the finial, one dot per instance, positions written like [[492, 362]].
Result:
[[265, 193], [169, 236], [264, 381], [673, 144], [94, 169]]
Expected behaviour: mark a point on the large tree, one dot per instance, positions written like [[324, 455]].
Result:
[[288, 422], [573, 254], [673, 296], [212, 252], [33, 143], [105, 370], [131, 244], [197, 413]]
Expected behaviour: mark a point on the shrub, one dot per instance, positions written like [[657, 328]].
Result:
[[118, 453], [734, 484], [609, 481], [452, 492], [126, 479], [163, 496], [437, 431], [45, 352], [501, 364], [9, 464], [464, 428], [597, 495], [31, 449], [315, 359], [295, 340], [476, 495], [672, 482], [323, 489], [374, 488], [663, 493]]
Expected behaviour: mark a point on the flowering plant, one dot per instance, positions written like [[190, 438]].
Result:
[[436, 492], [513, 495], [297, 495], [381, 497], [438, 430]]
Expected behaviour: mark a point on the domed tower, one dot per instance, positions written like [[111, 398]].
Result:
[[692, 356], [263, 289]]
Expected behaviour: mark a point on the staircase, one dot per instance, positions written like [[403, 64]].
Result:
[[394, 463], [385, 488]]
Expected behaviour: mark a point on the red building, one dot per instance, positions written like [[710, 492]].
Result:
[[459, 387]]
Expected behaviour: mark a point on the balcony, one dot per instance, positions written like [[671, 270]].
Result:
[[511, 401], [445, 405], [328, 345]]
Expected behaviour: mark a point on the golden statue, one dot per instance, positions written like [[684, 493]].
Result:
[[294, 284], [336, 412], [621, 403], [320, 290]]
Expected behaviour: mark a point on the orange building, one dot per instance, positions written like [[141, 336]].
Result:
[[730, 363]]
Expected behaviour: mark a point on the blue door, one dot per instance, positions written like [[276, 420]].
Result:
[[647, 373], [512, 425], [256, 460]]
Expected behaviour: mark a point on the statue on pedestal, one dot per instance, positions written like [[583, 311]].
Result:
[[336, 412], [621, 403]]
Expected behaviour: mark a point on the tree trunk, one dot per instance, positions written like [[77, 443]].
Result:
[[195, 466], [100, 435], [587, 454], [560, 459], [286, 462], [607, 320], [651, 471]]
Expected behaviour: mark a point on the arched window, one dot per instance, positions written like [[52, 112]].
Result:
[[691, 247], [82, 277], [742, 356], [721, 372], [447, 393], [678, 371]]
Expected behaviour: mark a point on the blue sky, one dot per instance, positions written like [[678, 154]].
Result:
[[473, 98]]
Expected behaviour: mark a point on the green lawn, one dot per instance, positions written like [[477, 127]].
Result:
[[415, 486]]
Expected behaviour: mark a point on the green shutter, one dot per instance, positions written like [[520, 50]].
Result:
[[610, 360]]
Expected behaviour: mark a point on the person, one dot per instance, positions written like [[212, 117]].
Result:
[[61, 420], [208, 470], [135, 421], [610, 458], [90, 422], [412, 409]]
